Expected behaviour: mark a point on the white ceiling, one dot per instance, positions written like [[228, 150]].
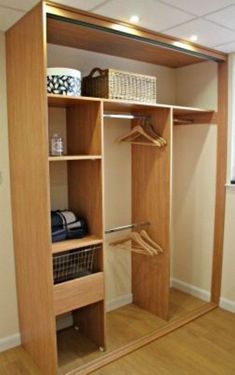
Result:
[[213, 21]]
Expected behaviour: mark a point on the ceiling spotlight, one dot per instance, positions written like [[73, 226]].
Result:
[[134, 19], [193, 38]]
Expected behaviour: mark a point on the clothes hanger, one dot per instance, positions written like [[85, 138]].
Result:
[[149, 240], [133, 249], [137, 243], [150, 130], [145, 130], [136, 132]]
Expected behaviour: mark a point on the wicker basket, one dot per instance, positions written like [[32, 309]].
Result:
[[116, 84]]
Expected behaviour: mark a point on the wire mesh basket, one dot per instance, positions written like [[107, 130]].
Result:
[[73, 264]]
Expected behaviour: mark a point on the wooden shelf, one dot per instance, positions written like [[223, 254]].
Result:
[[195, 115], [101, 34], [77, 243], [187, 115], [74, 157], [68, 101]]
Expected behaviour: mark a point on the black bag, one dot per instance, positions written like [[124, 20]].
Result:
[[65, 224]]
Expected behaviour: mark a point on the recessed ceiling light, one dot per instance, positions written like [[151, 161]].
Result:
[[134, 19], [193, 38]]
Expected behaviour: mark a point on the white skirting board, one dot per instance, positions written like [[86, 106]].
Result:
[[10, 342], [191, 289], [227, 304], [115, 303], [67, 321], [203, 294]]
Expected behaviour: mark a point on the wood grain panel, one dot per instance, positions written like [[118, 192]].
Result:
[[151, 202], [122, 38], [56, 100], [182, 118], [84, 129], [76, 36], [27, 111], [91, 321], [85, 193], [75, 243], [220, 181], [77, 293]]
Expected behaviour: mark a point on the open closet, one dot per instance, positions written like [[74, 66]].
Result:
[[137, 172]]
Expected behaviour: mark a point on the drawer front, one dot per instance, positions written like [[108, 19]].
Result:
[[77, 293]]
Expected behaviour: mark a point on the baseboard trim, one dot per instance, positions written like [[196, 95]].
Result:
[[227, 304], [191, 289], [115, 303], [203, 294], [10, 342]]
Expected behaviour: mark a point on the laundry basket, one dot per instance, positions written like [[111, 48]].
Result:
[[74, 264]]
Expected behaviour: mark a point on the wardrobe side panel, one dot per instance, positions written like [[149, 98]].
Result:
[[151, 187], [27, 111], [220, 181]]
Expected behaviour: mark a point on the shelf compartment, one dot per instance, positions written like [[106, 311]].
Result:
[[77, 243], [79, 124], [78, 293], [74, 157], [187, 115]]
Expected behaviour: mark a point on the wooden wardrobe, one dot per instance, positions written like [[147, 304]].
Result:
[[39, 300]]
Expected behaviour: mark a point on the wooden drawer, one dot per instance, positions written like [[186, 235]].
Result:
[[77, 293]]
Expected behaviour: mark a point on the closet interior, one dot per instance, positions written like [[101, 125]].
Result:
[[136, 172]]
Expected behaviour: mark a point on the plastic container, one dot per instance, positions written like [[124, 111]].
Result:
[[64, 81], [57, 145]]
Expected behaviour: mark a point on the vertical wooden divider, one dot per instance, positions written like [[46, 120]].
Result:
[[151, 188], [85, 190], [28, 144], [85, 177]]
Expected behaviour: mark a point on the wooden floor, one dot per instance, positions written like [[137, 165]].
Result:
[[205, 346], [124, 325]]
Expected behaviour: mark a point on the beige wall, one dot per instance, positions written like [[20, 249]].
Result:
[[228, 280], [194, 174], [194, 169], [85, 61], [8, 306], [196, 85]]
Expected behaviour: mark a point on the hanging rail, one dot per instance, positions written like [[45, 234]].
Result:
[[124, 227], [124, 116]]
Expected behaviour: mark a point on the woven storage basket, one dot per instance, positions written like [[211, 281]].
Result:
[[116, 84]]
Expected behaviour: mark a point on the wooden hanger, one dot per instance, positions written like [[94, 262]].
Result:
[[149, 240], [135, 133], [133, 249], [147, 132], [138, 244], [150, 130]]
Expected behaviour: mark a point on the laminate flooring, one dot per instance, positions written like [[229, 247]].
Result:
[[205, 346], [124, 325]]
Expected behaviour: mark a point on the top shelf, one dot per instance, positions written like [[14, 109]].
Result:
[[78, 29], [181, 114]]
